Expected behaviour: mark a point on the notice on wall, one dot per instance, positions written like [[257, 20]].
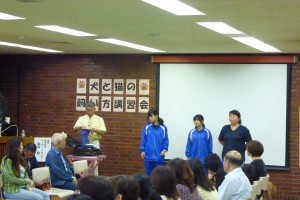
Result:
[[114, 95], [43, 145]]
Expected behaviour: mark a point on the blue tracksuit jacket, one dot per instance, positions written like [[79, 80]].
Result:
[[199, 144], [154, 140]]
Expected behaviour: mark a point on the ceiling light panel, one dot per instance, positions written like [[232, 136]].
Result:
[[29, 47], [64, 30], [130, 45], [5, 16], [174, 6], [220, 27], [255, 43]]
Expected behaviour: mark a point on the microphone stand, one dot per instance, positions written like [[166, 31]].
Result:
[[8, 128]]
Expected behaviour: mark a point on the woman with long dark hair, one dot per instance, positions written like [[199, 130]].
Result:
[[205, 187], [184, 179], [154, 142], [163, 181], [16, 183]]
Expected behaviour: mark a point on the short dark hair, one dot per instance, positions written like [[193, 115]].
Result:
[[237, 113], [96, 187], [125, 185], [80, 197], [145, 185], [30, 147], [213, 162], [255, 148]]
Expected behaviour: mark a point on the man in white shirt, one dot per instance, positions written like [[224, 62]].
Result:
[[94, 125], [236, 185], [91, 122]]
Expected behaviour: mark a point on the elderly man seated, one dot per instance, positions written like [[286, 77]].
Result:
[[236, 185], [61, 175]]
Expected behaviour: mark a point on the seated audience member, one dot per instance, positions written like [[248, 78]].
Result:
[[255, 149], [205, 187], [125, 187], [163, 181], [80, 197], [250, 172], [184, 179], [16, 182], [236, 185], [146, 192], [61, 175], [216, 172], [29, 154], [97, 187]]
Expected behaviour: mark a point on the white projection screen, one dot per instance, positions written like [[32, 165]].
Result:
[[258, 91]]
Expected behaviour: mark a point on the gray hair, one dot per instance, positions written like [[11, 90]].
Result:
[[56, 138]]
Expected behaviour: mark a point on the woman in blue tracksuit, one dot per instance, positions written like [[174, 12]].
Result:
[[154, 142], [199, 142]]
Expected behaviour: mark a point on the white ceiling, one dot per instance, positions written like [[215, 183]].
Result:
[[275, 22]]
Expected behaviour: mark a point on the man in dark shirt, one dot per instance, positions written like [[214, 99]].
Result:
[[29, 154]]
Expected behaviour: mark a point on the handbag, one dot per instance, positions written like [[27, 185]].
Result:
[[46, 185]]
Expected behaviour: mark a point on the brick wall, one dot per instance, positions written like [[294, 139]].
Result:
[[41, 92], [47, 94]]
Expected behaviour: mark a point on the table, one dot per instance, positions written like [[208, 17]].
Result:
[[93, 162]]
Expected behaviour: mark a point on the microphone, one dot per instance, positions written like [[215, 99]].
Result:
[[14, 125]]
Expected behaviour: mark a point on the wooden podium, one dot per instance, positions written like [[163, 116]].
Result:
[[4, 139]]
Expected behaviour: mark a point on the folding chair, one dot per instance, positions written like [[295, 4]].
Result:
[[43, 174], [265, 183], [254, 192], [265, 180], [259, 186]]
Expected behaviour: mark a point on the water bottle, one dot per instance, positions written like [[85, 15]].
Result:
[[23, 133]]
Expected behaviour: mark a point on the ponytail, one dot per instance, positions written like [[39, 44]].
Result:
[[160, 121]]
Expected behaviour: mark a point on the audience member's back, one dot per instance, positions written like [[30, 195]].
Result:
[[184, 179], [205, 187], [215, 168], [80, 197], [250, 172], [255, 149], [145, 185], [97, 187], [163, 181], [125, 187]]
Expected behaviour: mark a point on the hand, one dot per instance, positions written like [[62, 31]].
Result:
[[74, 181], [30, 182], [163, 153], [93, 136], [143, 154]]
